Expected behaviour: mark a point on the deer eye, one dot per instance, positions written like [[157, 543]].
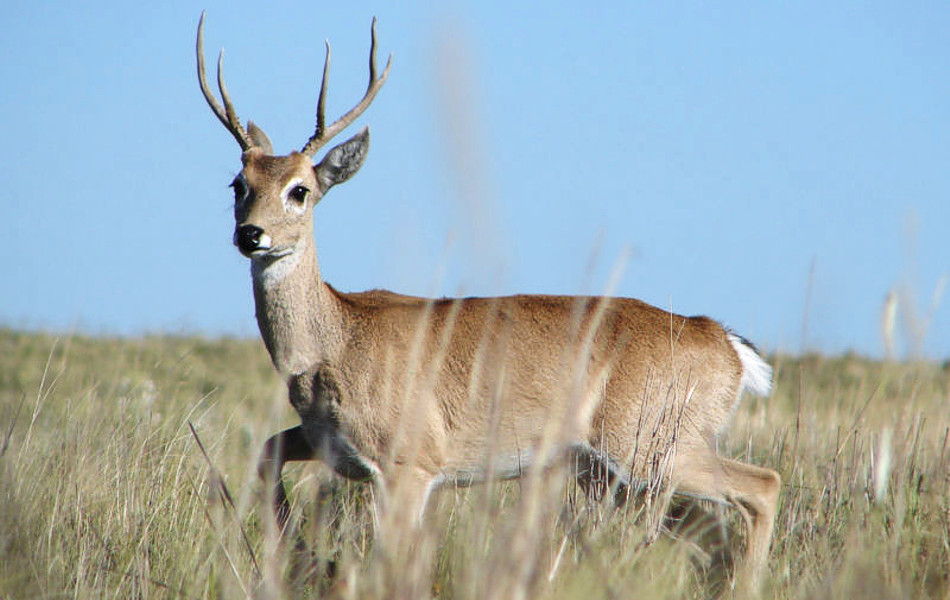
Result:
[[298, 194], [240, 189]]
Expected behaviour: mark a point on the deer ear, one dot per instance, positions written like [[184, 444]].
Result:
[[343, 161], [259, 138]]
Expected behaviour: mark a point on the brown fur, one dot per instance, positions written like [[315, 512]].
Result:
[[429, 389], [412, 392]]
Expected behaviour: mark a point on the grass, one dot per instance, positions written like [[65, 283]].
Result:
[[105, 492]]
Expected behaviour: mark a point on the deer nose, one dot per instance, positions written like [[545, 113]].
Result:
[[248, 239]]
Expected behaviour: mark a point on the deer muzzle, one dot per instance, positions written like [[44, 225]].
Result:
[[251, 239]]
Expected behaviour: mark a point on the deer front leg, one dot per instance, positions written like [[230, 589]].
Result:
[[401, 497], [288, 445]]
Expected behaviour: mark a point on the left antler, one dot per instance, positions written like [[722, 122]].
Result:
[[324, 134]]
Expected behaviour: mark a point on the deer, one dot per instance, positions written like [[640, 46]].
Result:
[[418, 394]]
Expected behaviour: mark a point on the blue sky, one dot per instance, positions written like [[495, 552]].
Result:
[[777, 166]]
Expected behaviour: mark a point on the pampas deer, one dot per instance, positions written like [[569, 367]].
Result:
[[417, 393]]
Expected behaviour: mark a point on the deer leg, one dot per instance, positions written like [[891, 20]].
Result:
[[401, 498], [687, 520], [403, 495], [751, 490], [288, 445], [754, 490]]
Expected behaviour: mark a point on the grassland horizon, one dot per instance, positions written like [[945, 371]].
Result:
[[104, 491]]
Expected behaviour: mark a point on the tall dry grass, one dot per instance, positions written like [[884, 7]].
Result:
[[105, 491]]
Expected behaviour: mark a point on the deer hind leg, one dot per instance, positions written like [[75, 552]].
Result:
[[685, 518], [754, 491], [704, 531], [288, 445], [751, 490]]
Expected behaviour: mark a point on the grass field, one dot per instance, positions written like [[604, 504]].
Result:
[[105, 492]]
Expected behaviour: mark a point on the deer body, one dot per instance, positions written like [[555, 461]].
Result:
[[516, 360], [417, 393]]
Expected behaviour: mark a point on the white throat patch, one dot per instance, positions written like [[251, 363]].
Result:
[[268, 271]]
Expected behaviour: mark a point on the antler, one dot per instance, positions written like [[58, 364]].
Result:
[[226, 115], [324, 134]]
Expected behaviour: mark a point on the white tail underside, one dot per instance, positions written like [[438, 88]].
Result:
[[756, 373]]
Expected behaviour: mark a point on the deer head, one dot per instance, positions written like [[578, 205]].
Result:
[[274, 195]]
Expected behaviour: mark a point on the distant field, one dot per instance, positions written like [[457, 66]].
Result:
[[104, 492]]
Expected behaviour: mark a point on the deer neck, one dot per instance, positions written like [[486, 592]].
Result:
[[299, 317]]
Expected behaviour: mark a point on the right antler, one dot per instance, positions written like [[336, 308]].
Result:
[[324, 134], [226, 115]]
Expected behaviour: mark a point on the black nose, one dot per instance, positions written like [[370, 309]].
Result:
[[248, 238]]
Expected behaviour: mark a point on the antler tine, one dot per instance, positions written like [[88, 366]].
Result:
[[372, 53], [324, 134], [322, 100], [235, 123], [202, 77], [226, 114]]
